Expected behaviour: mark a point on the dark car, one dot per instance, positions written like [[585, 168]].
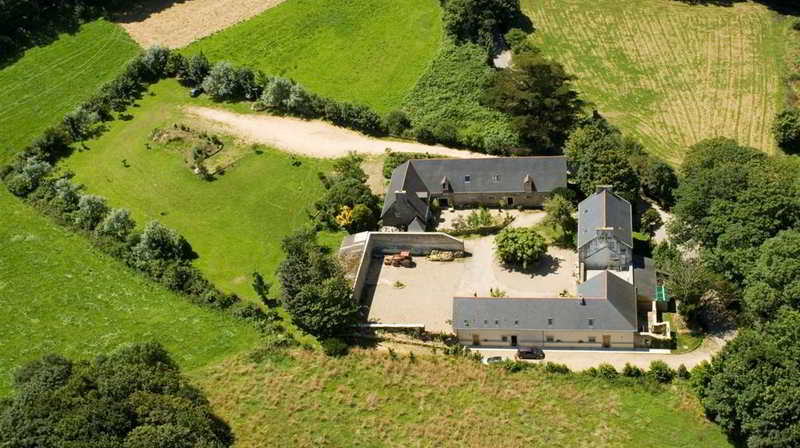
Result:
[[530, 353], [195, 92]]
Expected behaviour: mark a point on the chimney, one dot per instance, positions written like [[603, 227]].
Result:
[[602, 188], [527, 184], [446, 188]]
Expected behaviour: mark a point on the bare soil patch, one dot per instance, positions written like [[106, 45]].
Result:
[[312, 138], [177, 24]]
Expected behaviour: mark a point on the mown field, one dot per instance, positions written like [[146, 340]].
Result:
[[367, 399], [363, 51], [234, 223], [49, 81], [668, 73], [60, 295]]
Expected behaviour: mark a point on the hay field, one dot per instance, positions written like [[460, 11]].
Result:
[[668, 73], [305, 399]]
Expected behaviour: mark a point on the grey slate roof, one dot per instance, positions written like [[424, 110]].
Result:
[[616, 312], [605, 209], [488, 175], [644, 277]]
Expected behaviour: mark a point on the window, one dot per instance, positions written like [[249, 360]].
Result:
[[548, 338], [504, 338], [496, 178], [592, 339], [549, 321], [466, 179], [497, 322], [466, 323], [516, 322], [486, 322], [591, 322]]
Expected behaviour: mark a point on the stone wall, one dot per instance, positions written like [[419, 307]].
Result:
[[533, 199]]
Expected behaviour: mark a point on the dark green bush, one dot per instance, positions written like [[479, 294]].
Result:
[[334, 347], [552, 367], [661, 372], [396, 123], [607, 371], [682, 372], [632, 371]]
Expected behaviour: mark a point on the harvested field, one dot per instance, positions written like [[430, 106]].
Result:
[[668, 73], [179, 24]]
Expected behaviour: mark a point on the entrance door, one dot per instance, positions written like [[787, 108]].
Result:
[[443, 203], [606, 340], [510, 201], [476, 340], [514, 341]]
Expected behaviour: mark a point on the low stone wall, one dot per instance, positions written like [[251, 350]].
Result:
[[384, 243]]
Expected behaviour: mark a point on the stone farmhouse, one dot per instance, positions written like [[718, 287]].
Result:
[[614, 306], [511, 181]]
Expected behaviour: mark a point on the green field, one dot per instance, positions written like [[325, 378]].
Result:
[[364, 51], [668, 73], [48, 82], [366, 399], [234, 223], [60, 295]]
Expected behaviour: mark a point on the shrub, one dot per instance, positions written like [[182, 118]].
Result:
[[395, 159], [334, 347], [479, 20], [155, 60], [222, 82], [276, 94], [552, 367], [91, 211], [632, 371], [197, 70], [177, 65], [396, 123], [160, 243], [682, 372], [117, 224], [512, 366], [606, 371], [650, 222], [519, 246], [661, 372], [79, 123], [786, 129], [248, 311]]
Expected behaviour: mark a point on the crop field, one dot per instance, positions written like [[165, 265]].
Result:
[[668, 73], [363, 51], [49, 81], [60, 295], [236, 222], [367, 399]]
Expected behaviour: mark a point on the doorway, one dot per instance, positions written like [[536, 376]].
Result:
[[606, 340], [443, 203], [476, 340], [510, 201], [514, 340]]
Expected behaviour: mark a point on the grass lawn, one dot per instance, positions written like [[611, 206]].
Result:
[[363, 51], [49, 81], [668, 73], [687, 340], [366, 399], [60, 295], [234, 223]]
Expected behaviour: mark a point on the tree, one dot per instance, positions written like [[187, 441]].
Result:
[[91, 211], [155, 59], [519, 246], [160, 243], [538, 95], [478, 21], [197, 70], [786, 129], [559, 212], [313, 288], [704, 297], [650, 222], [222, 82], [774, 280], [79, 123], [117, 224], [396, 123], [134, 397], [608, 168], [752, 389], [658, 179]]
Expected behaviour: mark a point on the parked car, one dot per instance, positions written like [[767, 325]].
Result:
[[195, 92], [530, 353], [492, 359]]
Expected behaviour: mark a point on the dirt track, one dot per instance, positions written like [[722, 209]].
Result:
[[179, 24], [310, 137]]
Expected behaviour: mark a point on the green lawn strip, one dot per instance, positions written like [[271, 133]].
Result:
[[59, 295], [49, 81], [363, 51], [671, 74], [686, 342], [366, 399], [235, 223]]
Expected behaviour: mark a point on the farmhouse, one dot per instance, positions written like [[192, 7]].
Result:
[[510, 181], [611, 310]]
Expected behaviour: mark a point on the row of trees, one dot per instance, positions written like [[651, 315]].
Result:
[[135, 397]]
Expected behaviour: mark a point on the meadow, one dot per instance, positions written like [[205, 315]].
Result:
[[668, 73], [60, 295], [236, 222], [367, 399], [363, 51], [49, 81]]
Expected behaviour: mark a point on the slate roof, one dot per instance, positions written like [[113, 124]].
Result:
[[644, 277], [486, 175], [605, 210], [608, 300]]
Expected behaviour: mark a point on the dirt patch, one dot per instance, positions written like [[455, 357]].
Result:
[[178, 24], [311, 137]]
